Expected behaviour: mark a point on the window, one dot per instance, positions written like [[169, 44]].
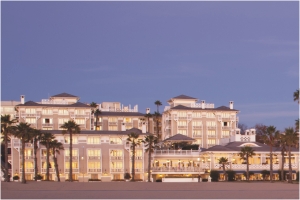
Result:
[[51, 165], [28, 152], [127, 120], [181, 114], [93, 140], [197, 133], [225, 115], [74, 165], [115, 140], [211, 123], [116, 165], [47, 128], [181, 123], [28, 165], [63, 120], [112, 128], [30, 120], [226, 124], [116, 153], [197, 114], [211, 133], [74, 152], [80, 121], [47, 112], [182, 131], [112, 119], [210, 115], [9, 109], [30, 111], [74, 140], [225, 133], [197, 123], [94, 152], [94, 165], [211, 141], [79, 112], [47, 121], [63, 112], [137, 153], [198, 141]]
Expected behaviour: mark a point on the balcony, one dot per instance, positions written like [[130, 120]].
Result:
[[254, 166], [175, 152], [182, 127], [29, 145], [197, 127], [94, 170], [177, 169], [30, 170], [116, 157], [72, 115], [211, 136], [182, 118], [27, 157], [73, 157], [112, 123], [226, 127], [94, 157], [113, 170], [139, 170], [45, 157], [47, 124], [137, 157], [73, 170], [211, 127], [51, 170], [197, 135]]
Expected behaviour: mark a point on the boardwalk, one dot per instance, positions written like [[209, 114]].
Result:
[[142, 190]]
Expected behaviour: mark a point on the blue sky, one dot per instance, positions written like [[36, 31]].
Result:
[[139, 52]]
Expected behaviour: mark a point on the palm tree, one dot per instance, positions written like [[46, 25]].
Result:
[[270, 137], [292, 139], [133, 138], [46, 139], [296, 96], [157, 103], [6, 130], [156, 117], [93, 106], [97, 112], [55, 149], [148, 116], [70, 127], [223, 161], [246, 153], [282, 144], [297, 125], [36, 136], [150, 142], [24, 133]]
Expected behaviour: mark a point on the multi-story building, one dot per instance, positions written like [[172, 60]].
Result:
[[201, 121]]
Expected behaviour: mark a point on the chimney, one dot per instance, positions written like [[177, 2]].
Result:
[[22, 99], [147, 110], [123, 127], [203, 104], [143, 127], [231, 104]]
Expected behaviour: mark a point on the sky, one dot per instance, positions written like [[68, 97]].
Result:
[[140, 52]]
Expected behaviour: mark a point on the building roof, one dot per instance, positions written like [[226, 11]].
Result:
[[77, 104], [179, 138], [221, 108], [90, 132], [64, 94], [183, 97], [122, 114]]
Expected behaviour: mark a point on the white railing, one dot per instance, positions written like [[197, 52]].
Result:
[[81, 141], [197, 135], [79, 116], [73, 157], [176, 152], [37, 114], [45, 157], [47, 124], [182, 126], [48, 101], [138, 170], [116, 170], [135, 109], [168, 117], [94, 157], [73, 170], [177, 169], [294, 165], [94, 170], [199, 105], [112, 142], [253, 166], [27, 170], [116, 157], [51, 170], [136, 157], [27, 157], [226, 127]]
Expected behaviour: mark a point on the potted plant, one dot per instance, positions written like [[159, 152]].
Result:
[[39, 177], [16, 178], [127, 176]]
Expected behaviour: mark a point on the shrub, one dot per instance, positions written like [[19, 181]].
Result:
[[204, 180], [38, 177], [279, 173], [265, 173], [127, 176], [214, 175], [297, 174], [95, 179], [16, 177], [250, 174], [230, 175], [118, 180], [159, 180]]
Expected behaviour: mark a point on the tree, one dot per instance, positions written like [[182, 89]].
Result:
[[260, 129], [6, 131], [282, 144], [157, 117], [292, 139], [270, 137], [264, 174], [297, 125], [24, 133], [71, 128], [148, 116], [223, 161], [133, 139], [246, 153], [93, 106], [157, 103], [214, 174], [243, 127], [296, 96], [150, 142], [97, 113], [55, 147], [46, 139], [36, 136]]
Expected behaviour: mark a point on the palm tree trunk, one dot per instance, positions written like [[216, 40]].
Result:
[[56, 165], [96, 121], [149, 162], [282, 165], [71, 154], [290, 166], [223, 166], [6, 158], [48, 152], [271, 165], [133, 157], [35, 147], [148, 125], [247, 167], [23, 161]]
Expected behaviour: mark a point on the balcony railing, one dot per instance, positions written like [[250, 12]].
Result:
[[177, 169], [94, 157], [97, 123], [73, 170], [27, 157], [51, 170], [94, 170], [28, 145], [176, 152], [27, 170], [211, 127], [197, 127], [112, 123], [211, 136], [182, 126], [226, 127], [137, 157], [47, 124], [73, 157], [253, 166], [116, 157], [197, 135], [79, 115], [112, 170], [45, 157], [139, 170]]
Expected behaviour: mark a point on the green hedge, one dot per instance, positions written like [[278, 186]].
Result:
[[230, 175], [214, 175]]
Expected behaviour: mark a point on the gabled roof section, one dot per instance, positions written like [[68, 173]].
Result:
[[29, 103], [224, 108], [181, 107], [77, 105], [64, 94], [183, 97], [179, 137]]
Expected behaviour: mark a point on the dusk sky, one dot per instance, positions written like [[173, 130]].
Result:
[[140, 52]]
